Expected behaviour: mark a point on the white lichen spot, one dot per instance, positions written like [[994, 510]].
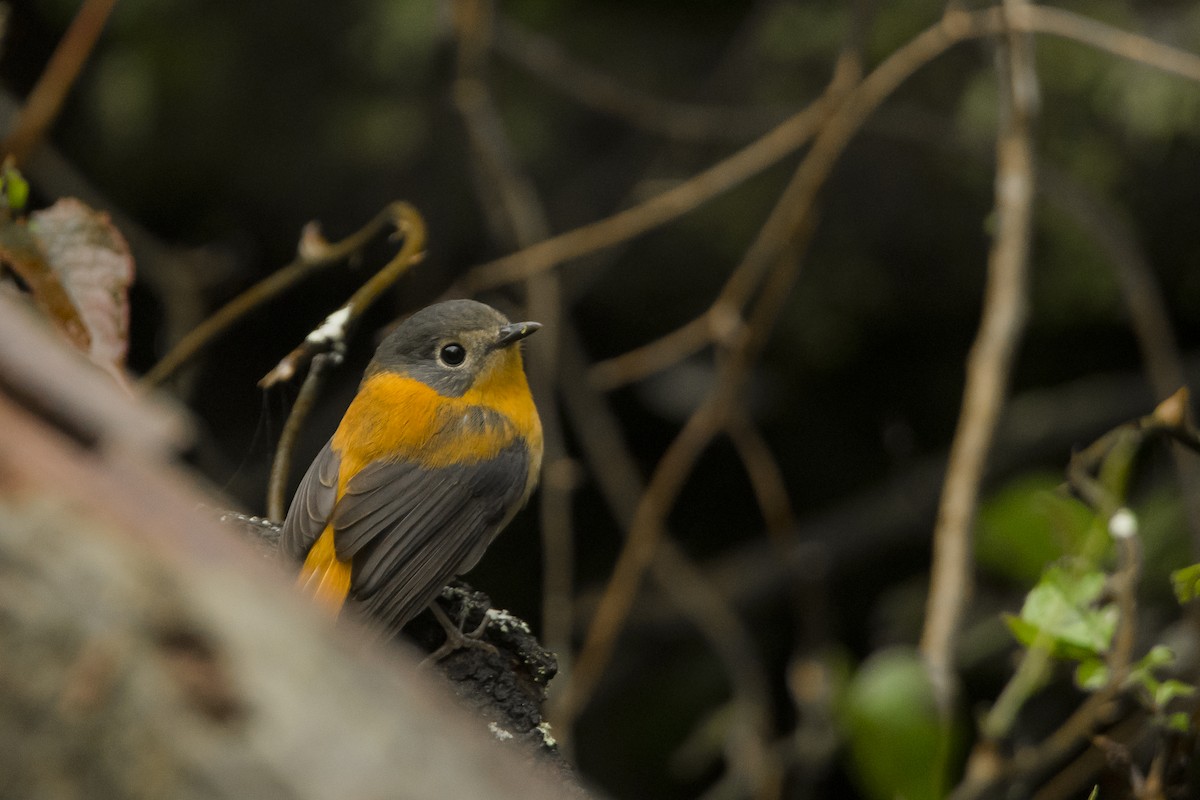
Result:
[[506, 621], [499, 732], [1123, 524], [333, 329], [547, 737]]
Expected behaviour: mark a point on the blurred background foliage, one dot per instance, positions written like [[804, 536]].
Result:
[[223, 127]]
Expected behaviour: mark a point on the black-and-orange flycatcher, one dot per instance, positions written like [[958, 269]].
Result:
[[439, 449]]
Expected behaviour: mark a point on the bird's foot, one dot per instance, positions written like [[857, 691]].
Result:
[[456, 637]]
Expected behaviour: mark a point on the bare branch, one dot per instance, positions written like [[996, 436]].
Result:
[[314, 254], [682, 583], [545, 59], [658, 210], [989, 363], [332, 333], [45, 101], [328, 340]]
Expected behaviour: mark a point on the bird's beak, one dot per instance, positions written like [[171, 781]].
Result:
[[515, 332]]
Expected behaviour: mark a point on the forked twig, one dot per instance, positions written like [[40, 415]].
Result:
[[956, 27], [332, 333], [314, 254]]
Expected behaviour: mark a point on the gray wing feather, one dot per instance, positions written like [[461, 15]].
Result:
[[312, 504], [418, 524], [409, 592], [366, 505], [409, 530]]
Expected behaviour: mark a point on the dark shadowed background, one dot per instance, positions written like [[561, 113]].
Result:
[[221, 128]]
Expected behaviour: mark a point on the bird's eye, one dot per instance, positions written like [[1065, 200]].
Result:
[[453, 354]]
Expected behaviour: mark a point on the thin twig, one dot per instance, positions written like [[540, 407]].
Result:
[[784, 235], [686, 587], [751, 761], [315, 253], [844, 121], [956, 27], [281, 466], [1149, 316], [779, 143], [645, 533], [988, 365], [766, 479], [645, 360], [1074, 780], [333, 332], [1032, 760], [46, 99], [1110, 454], [329, 340], [545, 59], [1094, 33], [518, 219]]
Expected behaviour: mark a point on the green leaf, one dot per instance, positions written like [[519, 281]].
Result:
[[1026, 525], [1186, 583], [1095, 793], [899, 745], [1142, 672], [1179, 721], [16, 188], [1059, 615], [1159, 656], [1170, 689], [1092, 674]]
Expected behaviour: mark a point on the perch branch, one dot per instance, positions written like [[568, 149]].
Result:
[[178, 644]]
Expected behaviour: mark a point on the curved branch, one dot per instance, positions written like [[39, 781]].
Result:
[[331, 334], [954, 28], [314, 254], [781, 142], [327, 343]]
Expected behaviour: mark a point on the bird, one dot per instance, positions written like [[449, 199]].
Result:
[[438, 450]]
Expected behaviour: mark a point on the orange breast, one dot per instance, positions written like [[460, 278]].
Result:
[[395, 417]]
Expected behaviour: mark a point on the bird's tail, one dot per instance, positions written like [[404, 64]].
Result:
[[324, 576]]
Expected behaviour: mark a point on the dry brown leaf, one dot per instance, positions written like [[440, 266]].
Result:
[[93, 264], [21, 250]]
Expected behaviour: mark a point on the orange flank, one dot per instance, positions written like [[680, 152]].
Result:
[[325, 577]]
